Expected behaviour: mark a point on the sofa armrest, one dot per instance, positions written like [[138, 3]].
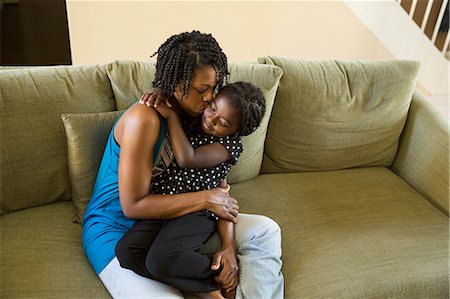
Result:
[[423, 155]]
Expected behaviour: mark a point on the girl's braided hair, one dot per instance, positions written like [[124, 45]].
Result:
[[181, 54], [249, 101]]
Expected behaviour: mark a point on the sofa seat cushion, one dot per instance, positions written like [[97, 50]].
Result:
[[42, 255], [357, 233]]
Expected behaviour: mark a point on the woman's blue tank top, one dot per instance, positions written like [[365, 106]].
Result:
[[104, 222]]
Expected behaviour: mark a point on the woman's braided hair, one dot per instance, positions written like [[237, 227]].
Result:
[[249, 101], [181, 54]]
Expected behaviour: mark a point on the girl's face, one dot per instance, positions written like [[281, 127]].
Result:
[[200, 91], [220, 118]]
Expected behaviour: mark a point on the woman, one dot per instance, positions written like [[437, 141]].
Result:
[[190, 67]]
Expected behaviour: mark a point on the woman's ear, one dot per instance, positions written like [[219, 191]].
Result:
[[178, 92]]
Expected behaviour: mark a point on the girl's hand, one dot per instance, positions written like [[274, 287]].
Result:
[[165, 111], [228, 278], [223, 183], [222, 204], [154, 97]]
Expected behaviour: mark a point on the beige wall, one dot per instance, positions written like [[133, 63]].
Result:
[[103, 31]]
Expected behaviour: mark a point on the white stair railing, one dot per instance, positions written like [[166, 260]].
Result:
[[394, 27], [432, 18], [405, 40]]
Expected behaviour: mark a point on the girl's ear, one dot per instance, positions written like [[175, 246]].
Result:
[[178, 93]]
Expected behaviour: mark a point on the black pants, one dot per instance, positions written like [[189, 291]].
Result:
[[167, 251]]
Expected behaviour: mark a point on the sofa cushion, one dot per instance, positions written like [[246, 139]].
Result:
[[33, 159], [334, 114], [42, 255], [86, 139], [130, 79], [357, 233], [423, 157], [249, 164]]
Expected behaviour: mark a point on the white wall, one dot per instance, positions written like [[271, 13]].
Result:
[[103, 31], [106, 30]]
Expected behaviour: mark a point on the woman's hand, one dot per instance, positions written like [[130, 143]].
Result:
[[154, 97], [222, 204], [228, 278]]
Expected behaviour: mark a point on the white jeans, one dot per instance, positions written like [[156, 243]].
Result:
[[258, 241]]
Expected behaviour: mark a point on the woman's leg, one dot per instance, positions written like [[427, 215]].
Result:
[[125, 284], [258, 241], [174, 257], [259, 252]]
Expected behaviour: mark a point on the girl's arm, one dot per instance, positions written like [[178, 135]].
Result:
[[226, 256], [154, 97], [137, 133], [186, 155]]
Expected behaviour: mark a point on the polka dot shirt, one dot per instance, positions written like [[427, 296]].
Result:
[[174, 179]]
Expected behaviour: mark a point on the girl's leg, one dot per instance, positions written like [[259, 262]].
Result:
[[174, 257], [133, 247]]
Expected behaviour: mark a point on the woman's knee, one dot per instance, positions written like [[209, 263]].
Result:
[[254, 224], [253, 227], [269, 226]]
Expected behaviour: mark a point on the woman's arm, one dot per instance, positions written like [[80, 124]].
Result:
[[137, 135]]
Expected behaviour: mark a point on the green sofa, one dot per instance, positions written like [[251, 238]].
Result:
[[350, 161]]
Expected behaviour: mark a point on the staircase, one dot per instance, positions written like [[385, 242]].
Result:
[[417, 30], [432, 17]]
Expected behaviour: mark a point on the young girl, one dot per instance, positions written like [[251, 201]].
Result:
[[167, 250]]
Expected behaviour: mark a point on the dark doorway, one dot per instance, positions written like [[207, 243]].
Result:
[[34, 32]]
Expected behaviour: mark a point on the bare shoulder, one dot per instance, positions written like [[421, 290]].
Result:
[[139, 118]]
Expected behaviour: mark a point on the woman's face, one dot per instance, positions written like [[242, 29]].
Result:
[[200, 93], [220, 118]]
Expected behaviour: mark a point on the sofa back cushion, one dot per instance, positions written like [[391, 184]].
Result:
[[331, 115], [33, 153], [130, 79], [87, 135]]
